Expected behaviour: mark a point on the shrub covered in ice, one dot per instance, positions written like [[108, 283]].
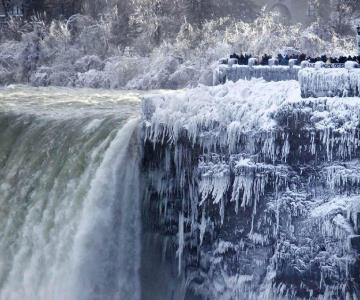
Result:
[[93, 79], [89, 62]]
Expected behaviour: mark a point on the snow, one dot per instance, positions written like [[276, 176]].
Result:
[[333, 206], [223, 247], [220, 115], [351, 65]]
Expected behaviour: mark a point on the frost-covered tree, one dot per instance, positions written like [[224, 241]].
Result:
[[4, 5], [122, 31], [156, 17], [12, 7], [54, 9], [342, 12], [94, 7], [62, 8], [200, 10], [33, 7], [324, 9]]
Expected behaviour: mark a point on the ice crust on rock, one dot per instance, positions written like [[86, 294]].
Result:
[[261, 180]]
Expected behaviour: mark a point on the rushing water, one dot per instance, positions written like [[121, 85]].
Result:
[[70, 217]]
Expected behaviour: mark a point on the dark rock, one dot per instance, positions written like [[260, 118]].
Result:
[[355, 242]]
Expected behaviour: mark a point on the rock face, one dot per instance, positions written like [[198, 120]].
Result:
[[257, 188]]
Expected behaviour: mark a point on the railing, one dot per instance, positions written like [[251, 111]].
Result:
[[253, 62]]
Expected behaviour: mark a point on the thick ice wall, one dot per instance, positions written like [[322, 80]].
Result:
[[269, 73], [329, 82], [236, 173]]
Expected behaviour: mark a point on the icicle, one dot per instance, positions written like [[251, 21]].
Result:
[[181, 240], [202, 225], [222, 211], [285, 149]]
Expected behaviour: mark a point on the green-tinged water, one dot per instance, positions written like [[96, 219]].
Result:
[[70, 217]]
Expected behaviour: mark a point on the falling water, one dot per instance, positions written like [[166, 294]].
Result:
[[70, 217]]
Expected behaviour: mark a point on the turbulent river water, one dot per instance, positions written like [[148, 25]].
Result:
[[70, 216]]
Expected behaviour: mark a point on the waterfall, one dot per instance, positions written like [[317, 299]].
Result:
[[70, 217], [107, 244]]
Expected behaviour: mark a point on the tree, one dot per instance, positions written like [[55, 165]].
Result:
[[12, 7], [324, 9], [198, 11], [158, 18], [4, 5], [94, 7], [121, 29], [52, 8], [342, 12]]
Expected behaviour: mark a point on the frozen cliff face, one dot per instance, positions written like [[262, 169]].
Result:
[[257, 189]]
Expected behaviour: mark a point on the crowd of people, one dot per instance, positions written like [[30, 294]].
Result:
[[283, 60]]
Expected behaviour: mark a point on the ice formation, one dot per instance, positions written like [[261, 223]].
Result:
[[269, 73], [257, 188], [330, 82]]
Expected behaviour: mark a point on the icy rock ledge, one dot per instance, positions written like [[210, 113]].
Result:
[[257, 188]]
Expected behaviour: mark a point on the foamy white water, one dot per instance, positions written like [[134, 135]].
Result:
[[70, 224]]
